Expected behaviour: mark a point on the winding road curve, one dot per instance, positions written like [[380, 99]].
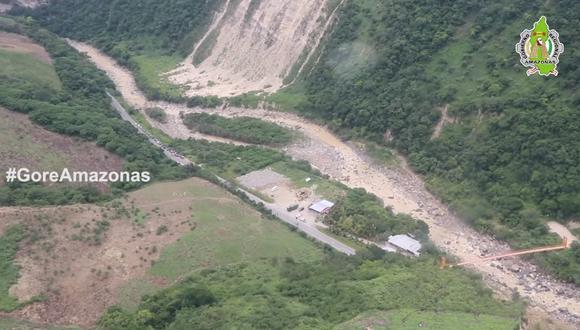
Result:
[[398, 187]]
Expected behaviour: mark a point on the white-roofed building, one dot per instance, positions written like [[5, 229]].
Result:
[[406, 243], [322, 207]]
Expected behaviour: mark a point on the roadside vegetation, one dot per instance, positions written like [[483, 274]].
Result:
[[227, 160], [244, 129]]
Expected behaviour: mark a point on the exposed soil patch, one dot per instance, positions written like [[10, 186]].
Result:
[[25, 144], [443, 121], [262, 179], [78, 257], [249, 48], [562, 231], [21, 44]]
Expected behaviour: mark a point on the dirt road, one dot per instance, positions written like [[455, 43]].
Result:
[[399, 188]]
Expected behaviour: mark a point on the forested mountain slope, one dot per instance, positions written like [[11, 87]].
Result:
[[512, 157]]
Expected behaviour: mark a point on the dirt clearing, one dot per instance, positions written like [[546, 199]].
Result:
[[286, 195], [25, 144], [20, 44], [562, 231]]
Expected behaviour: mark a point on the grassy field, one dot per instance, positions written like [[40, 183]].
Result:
[[24, 144], [226, 232], [412, 319], [27, 67], [19, 144], [150, 69], [350, 242], [132, 246]]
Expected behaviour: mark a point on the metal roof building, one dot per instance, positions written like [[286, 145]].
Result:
[[322, 206], [406, 243]]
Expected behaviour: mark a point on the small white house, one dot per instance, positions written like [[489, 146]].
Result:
[[322, 207], [406, 243]]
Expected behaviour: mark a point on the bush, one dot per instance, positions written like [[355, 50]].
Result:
[[157, 114]]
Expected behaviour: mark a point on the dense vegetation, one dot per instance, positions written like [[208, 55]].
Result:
[[157, 114], [284, 294], [204, 102], [364, 215], [245, 129], [511, 160], [81, 108], [227, 159], [16, 193]]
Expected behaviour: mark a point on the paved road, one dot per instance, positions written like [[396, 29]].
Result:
[[170, 153], [281, 214]]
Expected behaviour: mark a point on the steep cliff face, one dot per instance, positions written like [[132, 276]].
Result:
[[252, 45]]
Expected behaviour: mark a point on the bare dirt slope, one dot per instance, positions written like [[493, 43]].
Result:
[[252, 46], [18, 43], [443, 121], [400, 189], [79, 263], [25, 144]]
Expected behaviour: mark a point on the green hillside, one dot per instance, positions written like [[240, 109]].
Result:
[[287, 294], [511, 160]]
